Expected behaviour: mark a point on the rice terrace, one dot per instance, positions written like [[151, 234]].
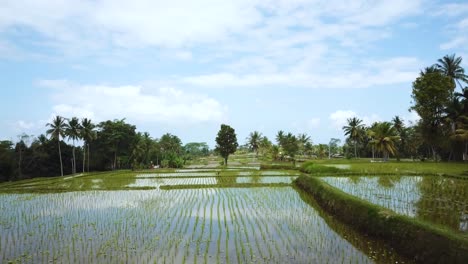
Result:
[[242, 213], [225, 132]]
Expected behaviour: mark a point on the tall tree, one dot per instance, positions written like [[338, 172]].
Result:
[[6, 160], [280, 138], [431, 94], [56, 131], [253, 140], [264, 145], [354, 131], [291, 146], [333, 146], [88, 134], [303, 139], [73, 132], [385, 138], [226, 142], [450, 66], [20, 147], [115, 139], [399, 126]]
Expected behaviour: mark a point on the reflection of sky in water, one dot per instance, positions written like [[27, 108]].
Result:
[[146, 226], [174, 174], [436, 199], [400, 198], [157, 182], [265, 179]]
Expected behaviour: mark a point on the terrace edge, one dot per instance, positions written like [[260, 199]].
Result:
[[414, 239]]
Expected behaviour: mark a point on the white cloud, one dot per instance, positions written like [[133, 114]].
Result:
[[163, 105], [130, 24], [454, 43], [24, 125], [371, 73], [452, 9], [340, 118], [88, 26]]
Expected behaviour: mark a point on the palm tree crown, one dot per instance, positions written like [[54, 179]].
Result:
[[57, 130], [384, 139], [87, 134], [253, 140], [354, 131], [451, 66]]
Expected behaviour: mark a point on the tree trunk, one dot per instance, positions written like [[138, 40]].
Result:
[[60, 156], [74, 159], [225, 161], [355, 149], [20, 160], [88, 157], [84, 157], [373, 151], [115, 160]]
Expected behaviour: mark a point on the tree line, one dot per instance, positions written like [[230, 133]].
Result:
[[108, 145], [440, 98]]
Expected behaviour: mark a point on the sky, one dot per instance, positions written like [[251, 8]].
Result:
[[186, 67]]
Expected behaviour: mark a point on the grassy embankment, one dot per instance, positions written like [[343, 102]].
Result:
[[365, 167], [416, 239]]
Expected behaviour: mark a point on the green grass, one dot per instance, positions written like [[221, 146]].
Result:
[[365, 167], [313, 168]]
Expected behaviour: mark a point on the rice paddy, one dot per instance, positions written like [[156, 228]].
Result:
[[126, 217], [440, 200]]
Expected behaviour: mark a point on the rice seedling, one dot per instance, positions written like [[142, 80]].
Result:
[[106, 219]]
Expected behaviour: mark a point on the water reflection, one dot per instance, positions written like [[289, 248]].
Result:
[[435, 199]]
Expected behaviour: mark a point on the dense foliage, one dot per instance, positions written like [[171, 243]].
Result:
[[226, 142], [109, 145]]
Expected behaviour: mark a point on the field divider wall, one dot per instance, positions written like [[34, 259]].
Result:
[[415, 239]]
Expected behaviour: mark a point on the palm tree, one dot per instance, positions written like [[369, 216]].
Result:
[[280, 138], [463, 96], [253, 140], [371, 136], [73, 132], [303, 139], [147, 143], [385, 138], [398, 124], [264, 145], [87, 134], [451, 67], [57, 130], [354, 131]]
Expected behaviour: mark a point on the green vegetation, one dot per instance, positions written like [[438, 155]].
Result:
[[226, 142], [418, 240], [436, 199], [175, 216], [313, 168], [211, 209], [365, 167], [113, 145]]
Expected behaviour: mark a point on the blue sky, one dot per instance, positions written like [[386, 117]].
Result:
[[185, 67]]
